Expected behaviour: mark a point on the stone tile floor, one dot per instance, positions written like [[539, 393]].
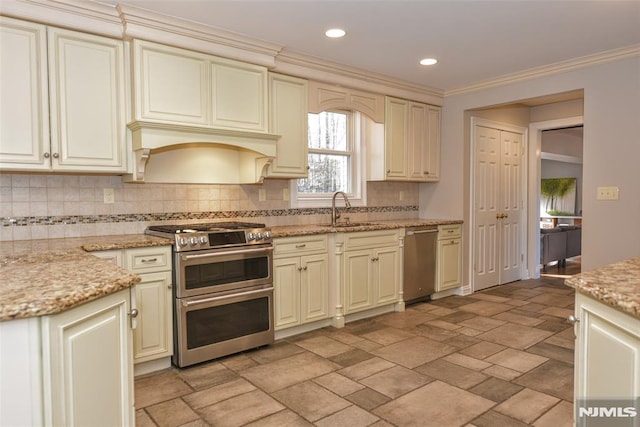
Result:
[[501, 357]]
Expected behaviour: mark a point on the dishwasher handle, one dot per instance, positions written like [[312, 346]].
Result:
[[412, 232]]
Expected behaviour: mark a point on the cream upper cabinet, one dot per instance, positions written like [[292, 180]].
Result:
[[301, 280], [607, 355], [24, 96], [449, 257], [371, 269], [288, 118], [240, 95], [170, 85], [424, 142], [87, 94], [411, 143], [396, 138], [87, 364], [178, 86], [84, 96]]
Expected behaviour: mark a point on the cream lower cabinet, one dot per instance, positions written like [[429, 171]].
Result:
[[607, 356], [153, 334], [301, 280], [449, 257], [71, 114], [371, 269], [87, 369]]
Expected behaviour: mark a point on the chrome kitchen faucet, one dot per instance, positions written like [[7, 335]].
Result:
[[334, 212]]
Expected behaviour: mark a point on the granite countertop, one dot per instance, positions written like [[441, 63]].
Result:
[[617, 285], [43, 277], [306, 230]]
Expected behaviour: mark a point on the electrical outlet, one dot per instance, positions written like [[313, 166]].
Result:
[[109, 195], [608, 193], [262, 194], [401, 196]]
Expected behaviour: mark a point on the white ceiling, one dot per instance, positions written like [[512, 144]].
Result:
[[475, 41]]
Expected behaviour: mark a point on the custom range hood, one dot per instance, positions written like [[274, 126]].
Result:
[[177, 154]]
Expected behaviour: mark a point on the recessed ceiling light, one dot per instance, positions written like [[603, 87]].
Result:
[[428, 61], [335, 33]]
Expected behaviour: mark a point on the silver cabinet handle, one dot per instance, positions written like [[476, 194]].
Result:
[[304, 268], [149, 260], [56, 155], [571, 319], [47, 155], [299, 268], [133, 313], [302, 245]]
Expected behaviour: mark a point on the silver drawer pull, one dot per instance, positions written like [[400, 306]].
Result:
[[301, 246], [133, 313], [572, 320], [149, 260]]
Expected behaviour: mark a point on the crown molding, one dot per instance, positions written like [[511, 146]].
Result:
[[548, 70], [147, 25], [88, 16], [342, 75]]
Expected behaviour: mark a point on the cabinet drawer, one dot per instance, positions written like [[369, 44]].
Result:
[[453, 231], [371, 239], [300, 245], [148, 260]]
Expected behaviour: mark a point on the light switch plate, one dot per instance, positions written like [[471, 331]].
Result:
[[608, 193], [285, 194]]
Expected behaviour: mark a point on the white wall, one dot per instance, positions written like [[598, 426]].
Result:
[[611, 153]]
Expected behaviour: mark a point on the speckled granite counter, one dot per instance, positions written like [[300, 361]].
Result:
[[41, 277], [305, 230], [617, 285]]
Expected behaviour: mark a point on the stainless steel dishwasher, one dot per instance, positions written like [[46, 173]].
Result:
[[420, 263]]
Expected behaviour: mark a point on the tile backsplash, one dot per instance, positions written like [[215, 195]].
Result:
[[39, 206]]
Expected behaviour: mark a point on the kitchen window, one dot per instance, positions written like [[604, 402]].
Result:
[[334, 159]]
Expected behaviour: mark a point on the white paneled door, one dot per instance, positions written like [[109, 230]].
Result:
[[498, 206]]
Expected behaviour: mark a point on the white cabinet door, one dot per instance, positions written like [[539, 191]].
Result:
[[288, 118], [87, 95], [87, 364], [449, 272], [386, 275], [314, 287], [432, 163], [286, 281], [153, 336], [396, 138], [24, 98], [607, 352], [239, 95], [171, 85], [357, 280]]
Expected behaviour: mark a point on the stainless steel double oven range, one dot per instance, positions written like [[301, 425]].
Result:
[[223, 288]]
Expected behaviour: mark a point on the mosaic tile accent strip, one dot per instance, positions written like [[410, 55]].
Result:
[[183, 216]]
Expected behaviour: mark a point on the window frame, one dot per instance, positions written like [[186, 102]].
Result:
[[356, 151]]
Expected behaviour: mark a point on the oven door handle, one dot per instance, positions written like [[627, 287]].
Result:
[[210, 255], [212, 299]]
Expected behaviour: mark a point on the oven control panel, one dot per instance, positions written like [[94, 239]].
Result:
[[210, 240]]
